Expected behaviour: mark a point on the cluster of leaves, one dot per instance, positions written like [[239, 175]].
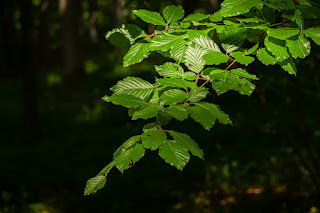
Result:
[[202, 49]]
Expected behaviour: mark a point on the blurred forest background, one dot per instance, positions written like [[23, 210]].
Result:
[[56, 133]]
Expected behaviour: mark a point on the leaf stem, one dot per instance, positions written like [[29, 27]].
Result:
[[109, 169], [234, 61]]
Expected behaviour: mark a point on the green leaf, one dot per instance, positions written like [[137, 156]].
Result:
[[187, 142], [215, 58], [193, 58], [131, 141], [298, 18], [179, 112], [124, 35], [207, 114], [232, 38], [136, 54], [289, 66], [173, 96], [314, 34], [155, 97], [153, 138], [174, 154], [150, 17], [265, 57], [179, 83], [223, 81], [197, 94], [299, 47], [242, 58], [252, 49], [125, 100], [236, 7], [206, 43], [277, 48], [94, 184], [128, 157], [189, 76], [243, 73], [146, 113], [216, 17], [163, 118], [173, 13], [282, 32], [196, 17], [170, 70], [133, 86], [175, 44], [250, 20]]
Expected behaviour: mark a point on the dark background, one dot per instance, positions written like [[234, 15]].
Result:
[[56, 133]]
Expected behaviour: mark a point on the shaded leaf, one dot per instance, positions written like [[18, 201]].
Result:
[[314, 34], [173, 96], [187, 142], [179, 112], [125, 100], [282, 32], [197, 94], [266, 57], [174, 154], [277, 48], [146, 113], [153, 138]]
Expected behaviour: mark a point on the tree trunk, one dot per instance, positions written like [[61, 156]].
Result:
[[93, 31], [117, 18], [44, 36], [70, 11], [29, 74], [8, 41]]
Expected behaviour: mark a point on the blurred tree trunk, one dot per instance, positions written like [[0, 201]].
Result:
[[29, 74], [117, 10], [70, 11], [8, 39], [93, 10], [44, 35]]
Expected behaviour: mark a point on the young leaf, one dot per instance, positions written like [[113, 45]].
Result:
[[265, 57], [195, 17], [133, 86], [299, 47], [187, 142], [174, 154], [150, 17], [128, 157], [136, 54], [173, 13], [106, 169], [179, 112], [193, 58], [173, 96], [314, 34], [289, 66], [146, 113], [125, 100], [94, 184], [170, 70], [179, 83], [236, 7], [282, 32], [207, 113], [197, 94], [277, 48], [153, 138]]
